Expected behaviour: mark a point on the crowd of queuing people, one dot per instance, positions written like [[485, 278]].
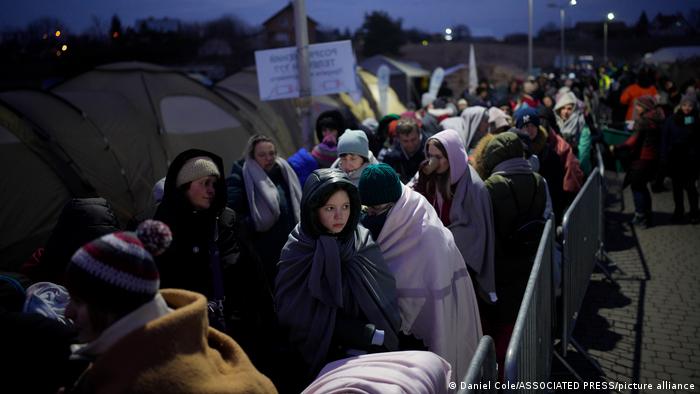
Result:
[[398, 240]]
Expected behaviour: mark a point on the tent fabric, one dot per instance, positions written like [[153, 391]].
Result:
[[148, 86], [33, 193], [373, 63], [109, 132], [672, 54]]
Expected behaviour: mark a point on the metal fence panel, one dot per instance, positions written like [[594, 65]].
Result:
[[483, 369], [529, 355], [581, 242]]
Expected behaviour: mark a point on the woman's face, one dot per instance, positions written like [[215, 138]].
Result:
[[566, 111], [442, 163], [686, 107], [350, 162], [265, 154], [202, 192], [334, 214]]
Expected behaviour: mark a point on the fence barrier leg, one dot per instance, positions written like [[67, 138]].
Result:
[[568, 366], [585, 354]]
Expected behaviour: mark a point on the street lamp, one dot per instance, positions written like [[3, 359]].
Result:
[[610, 17], [562, 20], [529, 37]]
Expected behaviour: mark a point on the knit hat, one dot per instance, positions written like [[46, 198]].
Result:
[[371, 124], [690, 98], [499, 118], [379, 184], [526, 115], [195, 168], [647, 102], [564, 100], [355, 142], [326, 152], [116, 271]]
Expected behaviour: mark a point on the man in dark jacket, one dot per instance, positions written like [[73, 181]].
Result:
[[406, 154]]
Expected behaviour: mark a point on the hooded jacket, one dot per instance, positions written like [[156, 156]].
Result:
[[519, 195], [186, 264], [329, 284], [81, 221]]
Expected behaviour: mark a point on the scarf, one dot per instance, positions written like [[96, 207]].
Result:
[[571, 128], [315, 277], [263, 197], [355, 175]]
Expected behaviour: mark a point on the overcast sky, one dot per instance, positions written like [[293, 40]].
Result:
[[484, 17]]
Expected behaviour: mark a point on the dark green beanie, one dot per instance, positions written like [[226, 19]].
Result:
[[379, 184]]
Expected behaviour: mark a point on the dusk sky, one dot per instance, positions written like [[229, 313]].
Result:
[[484, 17]]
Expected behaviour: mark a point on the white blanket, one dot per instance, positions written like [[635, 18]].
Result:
[[435, 294], [381, 373]]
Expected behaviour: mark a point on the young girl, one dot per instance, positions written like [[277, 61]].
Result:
[[334, 293]]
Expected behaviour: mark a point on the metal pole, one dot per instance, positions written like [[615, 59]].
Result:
[[529, 37], [302, 40], [605, 42], [563, 54]]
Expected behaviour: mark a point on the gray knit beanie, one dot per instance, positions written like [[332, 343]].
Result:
[[355, 142]]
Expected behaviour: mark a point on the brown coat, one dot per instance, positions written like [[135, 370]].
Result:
[[176, 353]]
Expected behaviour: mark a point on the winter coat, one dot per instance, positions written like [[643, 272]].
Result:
[[80, 221], [266, 245], [197, 236], [175, 353], [404, 165], [631, 93], [518, 197], [680, 146]]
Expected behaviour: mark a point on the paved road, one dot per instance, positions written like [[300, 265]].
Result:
[[647, 330]]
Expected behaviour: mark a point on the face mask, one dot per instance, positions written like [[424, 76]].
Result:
[[375, 223], [688, 120]]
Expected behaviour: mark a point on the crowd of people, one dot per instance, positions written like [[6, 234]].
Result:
[[398, 240]]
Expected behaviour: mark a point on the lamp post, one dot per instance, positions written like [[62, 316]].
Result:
[[562, 21], [529, 37], [610, 17]]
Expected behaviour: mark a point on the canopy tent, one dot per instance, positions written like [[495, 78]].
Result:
[[109, 132], [180, 111], [50, 152], [672, 54], [402, 75]]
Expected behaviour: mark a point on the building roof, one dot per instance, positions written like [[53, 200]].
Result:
[[288, 6]]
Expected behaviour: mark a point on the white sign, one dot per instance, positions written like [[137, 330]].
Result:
[[331, 64]]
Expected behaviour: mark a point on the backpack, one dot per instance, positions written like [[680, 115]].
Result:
[[525, 239]]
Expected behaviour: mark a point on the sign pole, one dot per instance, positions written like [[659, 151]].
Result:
[[302, 41]]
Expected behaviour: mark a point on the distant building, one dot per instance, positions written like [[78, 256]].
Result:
[[279, 28], [162, 25], [670, 26]]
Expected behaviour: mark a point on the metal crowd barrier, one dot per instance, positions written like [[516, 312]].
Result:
[[582, 225], [483, 369], [528, 358]]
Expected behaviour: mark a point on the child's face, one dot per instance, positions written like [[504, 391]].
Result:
[[334, 214]]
